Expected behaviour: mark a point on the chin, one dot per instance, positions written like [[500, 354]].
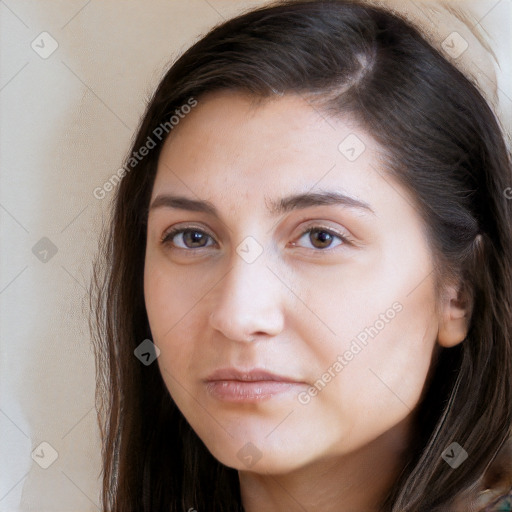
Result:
[[259, 455], [266, 465]]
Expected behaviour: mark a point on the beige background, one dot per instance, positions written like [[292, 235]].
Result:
[[66, 122]]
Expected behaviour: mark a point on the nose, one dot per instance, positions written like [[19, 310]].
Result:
[[248, 302]]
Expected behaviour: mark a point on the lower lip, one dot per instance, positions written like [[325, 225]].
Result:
[[248, 391]]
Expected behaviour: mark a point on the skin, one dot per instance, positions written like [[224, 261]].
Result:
[[303, 305]]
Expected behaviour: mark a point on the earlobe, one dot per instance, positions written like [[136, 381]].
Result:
[[454, 319]]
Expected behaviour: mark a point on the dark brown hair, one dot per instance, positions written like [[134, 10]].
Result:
[[444, 145]]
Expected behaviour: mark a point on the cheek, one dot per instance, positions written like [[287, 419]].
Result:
[[170, 307], [159, 302], [169, 296], [385, 324], [171, 327], [176, 301], [372, 387]]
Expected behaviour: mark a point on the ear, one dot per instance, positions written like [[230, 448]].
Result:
[[454, 318]]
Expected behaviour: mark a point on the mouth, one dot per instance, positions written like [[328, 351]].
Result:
[[231, 385]]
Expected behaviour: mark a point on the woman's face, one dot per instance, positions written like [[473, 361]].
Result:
[[336, 298]]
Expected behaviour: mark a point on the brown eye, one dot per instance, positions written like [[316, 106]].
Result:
[[186, 238], [321, 238]]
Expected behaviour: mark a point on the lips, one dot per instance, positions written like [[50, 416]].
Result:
[[232, 385], [247, 376]]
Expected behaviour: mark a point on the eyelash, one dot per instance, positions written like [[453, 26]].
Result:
[[169, 235]]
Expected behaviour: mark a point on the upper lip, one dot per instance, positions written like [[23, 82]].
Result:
[[255, 374]]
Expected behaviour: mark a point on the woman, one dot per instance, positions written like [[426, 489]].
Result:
[[313, 229]]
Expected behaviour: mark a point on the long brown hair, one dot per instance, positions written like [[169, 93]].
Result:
[[444, 145]]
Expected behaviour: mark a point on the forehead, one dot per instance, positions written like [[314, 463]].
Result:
[[233, 141]]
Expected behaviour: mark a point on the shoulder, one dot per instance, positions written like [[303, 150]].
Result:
[[498, 482], [501, 503], [493, 492]]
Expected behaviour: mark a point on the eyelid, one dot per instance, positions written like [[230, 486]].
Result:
[[318, 225]]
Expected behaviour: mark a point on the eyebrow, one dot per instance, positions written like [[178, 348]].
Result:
[[279, 207]]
